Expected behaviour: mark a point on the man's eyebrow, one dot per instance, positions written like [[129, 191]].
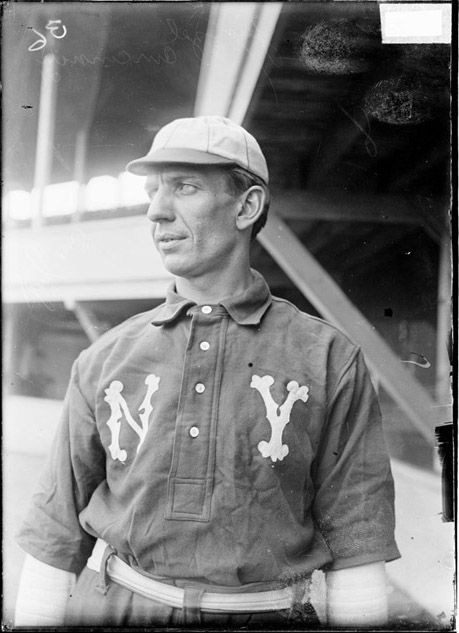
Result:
[[151, 183], [181, 175]]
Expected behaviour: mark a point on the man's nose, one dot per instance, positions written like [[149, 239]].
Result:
[[160, 208]]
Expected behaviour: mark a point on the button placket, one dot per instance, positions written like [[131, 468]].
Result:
[[193, 459]]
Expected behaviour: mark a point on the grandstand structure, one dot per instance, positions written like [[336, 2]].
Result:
[[356, 133]]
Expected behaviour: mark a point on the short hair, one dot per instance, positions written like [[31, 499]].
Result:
[[239, 180]]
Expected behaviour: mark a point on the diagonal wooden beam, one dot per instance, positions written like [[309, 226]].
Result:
[[326, 296], [91, 325]]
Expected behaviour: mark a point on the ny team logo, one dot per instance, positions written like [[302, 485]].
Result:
[[278, 416], [119, 407]]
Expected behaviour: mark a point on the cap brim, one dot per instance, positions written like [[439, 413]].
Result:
[[143, 166]]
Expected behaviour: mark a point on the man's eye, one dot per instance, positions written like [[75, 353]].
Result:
[[186, 188]]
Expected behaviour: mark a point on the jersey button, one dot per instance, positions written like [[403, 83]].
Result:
[[199, 387], [204, 345], [194, 431], [206, 309]]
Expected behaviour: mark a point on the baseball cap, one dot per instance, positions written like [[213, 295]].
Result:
[[203, 140]]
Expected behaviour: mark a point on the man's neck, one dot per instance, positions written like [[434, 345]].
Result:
[[213, 288]]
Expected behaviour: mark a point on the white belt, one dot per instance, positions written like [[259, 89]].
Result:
[[121, 573]]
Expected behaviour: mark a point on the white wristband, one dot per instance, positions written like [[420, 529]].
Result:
[[42, 595], [357, 596]]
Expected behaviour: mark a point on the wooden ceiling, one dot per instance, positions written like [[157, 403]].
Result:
[[326, 125], [125, 69], [350, 124]]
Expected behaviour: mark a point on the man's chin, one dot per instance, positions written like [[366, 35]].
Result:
[[176, 266]]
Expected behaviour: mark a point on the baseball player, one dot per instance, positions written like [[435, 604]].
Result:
[[216, 450]]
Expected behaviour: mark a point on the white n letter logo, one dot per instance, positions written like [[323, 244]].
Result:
[[274, 448], [119, 407]]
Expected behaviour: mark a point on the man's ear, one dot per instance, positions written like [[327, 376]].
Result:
[[251, 206]]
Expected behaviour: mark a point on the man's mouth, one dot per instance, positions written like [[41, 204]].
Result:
[[167, 235], [168, 239]]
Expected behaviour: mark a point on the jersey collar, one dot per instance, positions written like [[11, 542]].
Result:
[[247, 308]]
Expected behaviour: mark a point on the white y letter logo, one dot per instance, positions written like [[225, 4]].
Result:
[[274, 448], [119, 407]]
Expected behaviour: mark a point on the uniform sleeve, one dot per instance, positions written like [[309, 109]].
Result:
[[354, 498], [51, 531]]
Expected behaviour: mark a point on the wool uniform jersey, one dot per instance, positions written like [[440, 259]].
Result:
[[227, 444]]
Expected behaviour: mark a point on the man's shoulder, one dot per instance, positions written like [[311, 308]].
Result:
[[310, 325], [311, 341], [122, 334]]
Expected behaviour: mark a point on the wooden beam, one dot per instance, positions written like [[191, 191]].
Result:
[[292, 84], [45, 136], [326, 296], [379, 209], [11, 340], [79, 169], [435, 217], [444, 323], [72, 261], [263, 30], [359, 256], [237, 40], [91, 325]]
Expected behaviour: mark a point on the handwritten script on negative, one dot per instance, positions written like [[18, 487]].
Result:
[[56, 29]]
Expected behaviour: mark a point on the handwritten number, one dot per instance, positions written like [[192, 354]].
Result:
[[53, 26], [39, 44]]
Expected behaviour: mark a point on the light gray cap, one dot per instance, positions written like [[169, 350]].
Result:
[[203, 140]]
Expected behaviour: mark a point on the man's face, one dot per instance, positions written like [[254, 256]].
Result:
[[193, 216]]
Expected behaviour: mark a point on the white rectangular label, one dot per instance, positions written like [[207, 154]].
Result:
[[416, 23]]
